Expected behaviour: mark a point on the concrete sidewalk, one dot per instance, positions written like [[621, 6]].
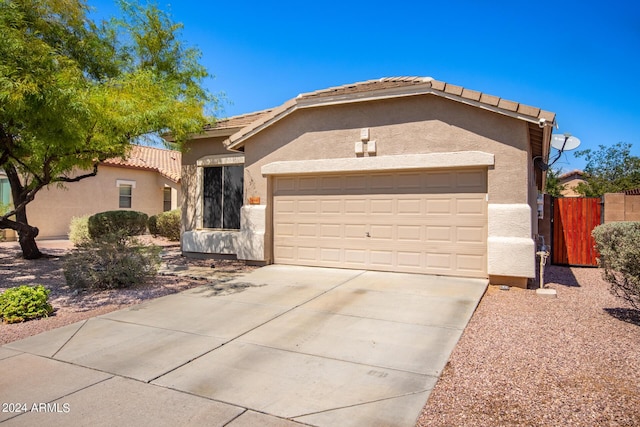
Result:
[[299, 345]]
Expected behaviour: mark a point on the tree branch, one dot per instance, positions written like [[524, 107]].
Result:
[[77, 178]]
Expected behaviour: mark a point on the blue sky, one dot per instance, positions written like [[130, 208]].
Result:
[[579, 59]]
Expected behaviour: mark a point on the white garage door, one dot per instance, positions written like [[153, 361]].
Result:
[[417, 222]]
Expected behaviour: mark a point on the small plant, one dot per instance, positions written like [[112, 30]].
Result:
[[124, 223], [619, 246], [113, 261], [24, 303], [168, 224], [152, 225], [79, 230]]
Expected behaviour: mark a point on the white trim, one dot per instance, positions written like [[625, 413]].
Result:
[[121, 182], [381, 163], [220, 160], [510, 248], [216, 160]]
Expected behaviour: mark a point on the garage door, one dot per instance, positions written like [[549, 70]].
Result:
[[417, 222]]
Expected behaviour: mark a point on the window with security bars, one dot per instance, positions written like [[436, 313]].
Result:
[[222, 196]]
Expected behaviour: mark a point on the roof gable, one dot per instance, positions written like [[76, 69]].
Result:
[[166, 162], [395, 87]]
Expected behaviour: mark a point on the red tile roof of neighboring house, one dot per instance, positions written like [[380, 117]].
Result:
[[576, 172], [166, 162]]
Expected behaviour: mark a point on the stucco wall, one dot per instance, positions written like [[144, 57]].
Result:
[[621, 207], [404, 126], [53, 207]]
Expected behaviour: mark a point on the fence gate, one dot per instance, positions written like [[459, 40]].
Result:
[[573, 220]]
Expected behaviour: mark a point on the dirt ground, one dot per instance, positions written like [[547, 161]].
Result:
[[72, 306]]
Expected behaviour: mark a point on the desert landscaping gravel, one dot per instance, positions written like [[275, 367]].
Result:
[[527, 360], [523, 360]]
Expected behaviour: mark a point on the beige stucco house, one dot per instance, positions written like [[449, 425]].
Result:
[[399, 174], [570, 181], [148, 180]]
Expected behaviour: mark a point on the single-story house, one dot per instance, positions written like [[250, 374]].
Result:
[[570, 180], [405, 174], [148, 180]]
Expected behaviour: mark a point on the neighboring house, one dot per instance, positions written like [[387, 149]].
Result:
[[403, 174], [570, 181], [147, 181], [5, 203]]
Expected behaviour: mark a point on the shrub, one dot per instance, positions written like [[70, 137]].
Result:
[[152, 225], [24, 303], [124, 223], [619, 246], [168, 224], [79, 229], [112, 262]]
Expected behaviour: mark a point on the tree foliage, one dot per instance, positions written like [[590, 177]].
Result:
[[610, 169], [74, 92], [552, 185]]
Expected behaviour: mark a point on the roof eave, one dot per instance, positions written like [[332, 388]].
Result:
[[477, 99]]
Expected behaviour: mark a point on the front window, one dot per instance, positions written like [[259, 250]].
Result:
[[125, 195], [166, 199], [222, 196]]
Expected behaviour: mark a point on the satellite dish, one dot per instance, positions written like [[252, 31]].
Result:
[[564, 142]]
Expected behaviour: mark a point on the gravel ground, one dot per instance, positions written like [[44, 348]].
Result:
[[524, 360], [71, 307]]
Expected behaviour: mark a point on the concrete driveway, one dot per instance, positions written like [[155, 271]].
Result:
[[295, 345]]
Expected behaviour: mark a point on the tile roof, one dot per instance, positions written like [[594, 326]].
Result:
[[634, 192], [576, 172], [391, 87], [166, 162], [367, 86], [238, 121], [387, 83]]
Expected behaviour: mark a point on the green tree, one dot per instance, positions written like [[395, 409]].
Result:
[[74, 92], [553, 186], [610, 169]]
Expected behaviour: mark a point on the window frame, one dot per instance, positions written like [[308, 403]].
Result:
[[123, 183], [216, 161], [167, 191]]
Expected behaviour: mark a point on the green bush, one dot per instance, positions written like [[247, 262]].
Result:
[[124, 223], [79, 229], [24, 303], [619, 246], [152, 225], [112, 262], [168, 224]]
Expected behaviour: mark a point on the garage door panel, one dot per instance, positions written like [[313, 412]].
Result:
[[470, 207], [409, 233], [307, 230], [422, 222], [330, 231], [439, 233], [438, 207], [355, 231], [470, 263], [355, 206], [305, 207], [470, 234], [381, 258], [410, 206], [307, 253]]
